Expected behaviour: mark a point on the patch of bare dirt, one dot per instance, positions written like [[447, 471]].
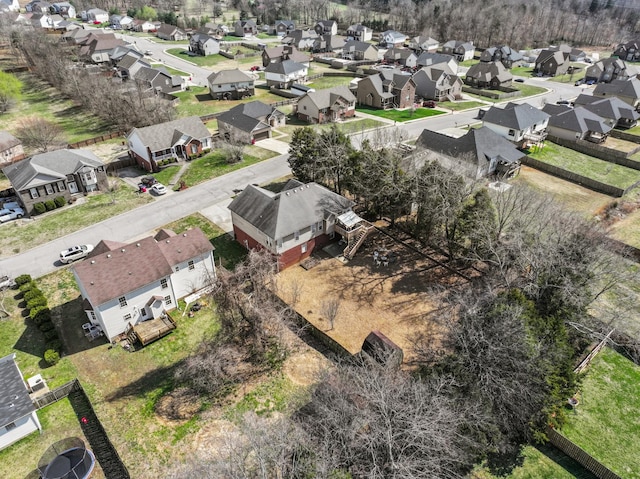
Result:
[[302, 368], [178, 406]]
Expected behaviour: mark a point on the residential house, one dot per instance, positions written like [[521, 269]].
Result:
[[245, 28], [629, 51], [230, 85], [180, 139], [158, 80], [64, 9], [576, 124], [479, 153], [323, 27], [18, 416], [203, 44], [284, 52], [284, 73], [575, 55], [521, 124], [423, 43], [96, 48], [426, 59], [327, 105], [461, 51], [68, 25], [45, 20], [491, 75], [613, 110], [504, 54], [627, 90], [284, 27], [392, 38], [552, 63], [129, 64], [357, 51], [121, 22], [46, 176], [144, 26], [291, 224], [217, 30], [607, 70], [37, 6], [97, 15], [9, 5], [171, 33], [401, 56], [437, 82], [123, 285], [301, 39], [250, 122], [10, 148], [359, 33], [328, 43], [78, 35], [387, 89]]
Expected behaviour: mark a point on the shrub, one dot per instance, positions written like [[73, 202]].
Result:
[[23, 279], [46, 326], [32, 293], [59, 201], [54, 344], [40, 301], [49, 335], [27, 287], [40, 315], [51, 357], [39, 208], [50, 205]]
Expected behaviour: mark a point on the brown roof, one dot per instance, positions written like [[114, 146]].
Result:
[[114, 273], [104, 246], [163, 234]]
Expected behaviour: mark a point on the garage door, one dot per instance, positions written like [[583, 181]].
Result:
[[261, 135]]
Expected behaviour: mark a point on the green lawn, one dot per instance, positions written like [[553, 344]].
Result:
[[348, 127], [400, 115], [526, 90], [214, 164], [594, 168], [330, 82], [460, 105], [197, 101], [19, 236], [469, 63], [171, 71], [634, 131], [522, 71], [606, 424], [209, 60], [164, 176]]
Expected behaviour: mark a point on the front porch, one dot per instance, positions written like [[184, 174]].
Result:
[[150, 330]]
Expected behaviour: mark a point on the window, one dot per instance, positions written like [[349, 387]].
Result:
[[163, 283], [320, 226], [191, 265], [177, 268], [93, 315], [313, 228], [194, 149], [34, 193], [167, 300], [512, 132], [49, 189], [143, 312], [123, 301], [127, 317], [61, 186], [296, 235], [10, 426], [303, 248]]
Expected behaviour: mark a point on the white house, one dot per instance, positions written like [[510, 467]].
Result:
[[97, 15], [64, 9], [392, 38], [18, 416], [126, 284], [9, 5], [522, 124], [283, 74]]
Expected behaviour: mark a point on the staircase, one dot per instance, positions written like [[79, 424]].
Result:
[[101, 446], [350, 251], [450, 97]]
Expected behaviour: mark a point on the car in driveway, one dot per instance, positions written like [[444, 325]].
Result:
[[159, 189], [519, 80], [75, 253], [10, 214], [563, 102], [148, 53]]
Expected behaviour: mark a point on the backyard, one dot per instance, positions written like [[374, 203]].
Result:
[[197, 101], [252, 57], [348, 127], [585, 165], [400, 115]]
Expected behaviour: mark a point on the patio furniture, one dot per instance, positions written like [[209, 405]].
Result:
[[87, 326]]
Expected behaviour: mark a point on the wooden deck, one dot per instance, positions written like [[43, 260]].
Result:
[[148, 331]]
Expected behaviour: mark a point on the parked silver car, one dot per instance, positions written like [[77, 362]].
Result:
[[75, 253]]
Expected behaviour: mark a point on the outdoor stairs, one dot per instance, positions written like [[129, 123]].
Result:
[[351, 249], [99, 442], [450, 97]]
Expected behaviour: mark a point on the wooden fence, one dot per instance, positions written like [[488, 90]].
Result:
[[600, 151], [594, 352], [623, 135], [575, 178], [495, 94], [580, 455], [120, 163], [55, 395], [95, 139]]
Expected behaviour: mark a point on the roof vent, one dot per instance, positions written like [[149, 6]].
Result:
[[138, 245], [93, 261], [129, 273], [122, 250], [108, 256], [16, 397], [179, 251], [288, 193], [91, 282], [11, 405], [184, 234], [168, 241]]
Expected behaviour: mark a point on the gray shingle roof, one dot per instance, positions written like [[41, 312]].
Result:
[[357, 46], [228, 76], [579, 120], [428, 59], [518, 117], [630, 88], [163, 135], [279, 215], [14, 397], [7, 140], [247, 116], [612, 107], [481, 143], [485, 71], [47, 167], [327, 97], [285, 67]]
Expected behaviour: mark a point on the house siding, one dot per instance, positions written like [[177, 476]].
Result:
[[220, 90], [24, 426]]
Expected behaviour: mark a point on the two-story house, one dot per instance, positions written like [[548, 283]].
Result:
[[285, 73], [521, 124], [437, 82], [629, 51], [461, 51], [171, 33], [245, 28], [179, 139], [491, 75], [357, 51], [283, 27], [301, 39], [504, 54], [392, 38], [327, 105], [64, 9], [230, 85], [423, 43], [46, 176], [576, 124], [388, 89], [284, 52], [552, 63], [401, 56], [10, 148], [97, 15], [323, 27], [627, 90], [609, 69], [203, 44], [359, 33], [123, 285], [290, 224]]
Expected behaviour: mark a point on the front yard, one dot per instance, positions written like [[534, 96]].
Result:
[[460, 105], [400, 115], [218, 60], [197, 101]]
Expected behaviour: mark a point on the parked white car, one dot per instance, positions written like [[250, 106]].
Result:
[[75, 253], [10, 214], [11, 205], [159, 189]]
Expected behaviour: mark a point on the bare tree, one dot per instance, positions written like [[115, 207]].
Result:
[[329, 309], [39, 133]]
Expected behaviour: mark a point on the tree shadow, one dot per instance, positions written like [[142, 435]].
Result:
[[564, 461], [69, 318], [203, 97], [161, 377]]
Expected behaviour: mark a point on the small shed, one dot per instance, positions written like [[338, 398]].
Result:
[[382, 349]]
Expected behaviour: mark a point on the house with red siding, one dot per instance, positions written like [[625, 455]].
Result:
[[290, 224]]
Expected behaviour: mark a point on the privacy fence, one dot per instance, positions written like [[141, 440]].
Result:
[[605, 153]]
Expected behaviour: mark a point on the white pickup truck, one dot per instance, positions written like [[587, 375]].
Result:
[[10, 214]]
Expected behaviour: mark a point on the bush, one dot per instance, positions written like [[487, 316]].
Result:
[[32, 293], [49, 335], [39, 315], [39, 208], [27, 287], [51, 357], [54, 344], [59, 201], [50, 205], [23, 279], [46, 326], [36, 303]]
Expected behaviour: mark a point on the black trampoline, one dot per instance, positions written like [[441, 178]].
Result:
[[67, 459]]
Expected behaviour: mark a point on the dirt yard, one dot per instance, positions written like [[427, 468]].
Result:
[[401, 300]]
